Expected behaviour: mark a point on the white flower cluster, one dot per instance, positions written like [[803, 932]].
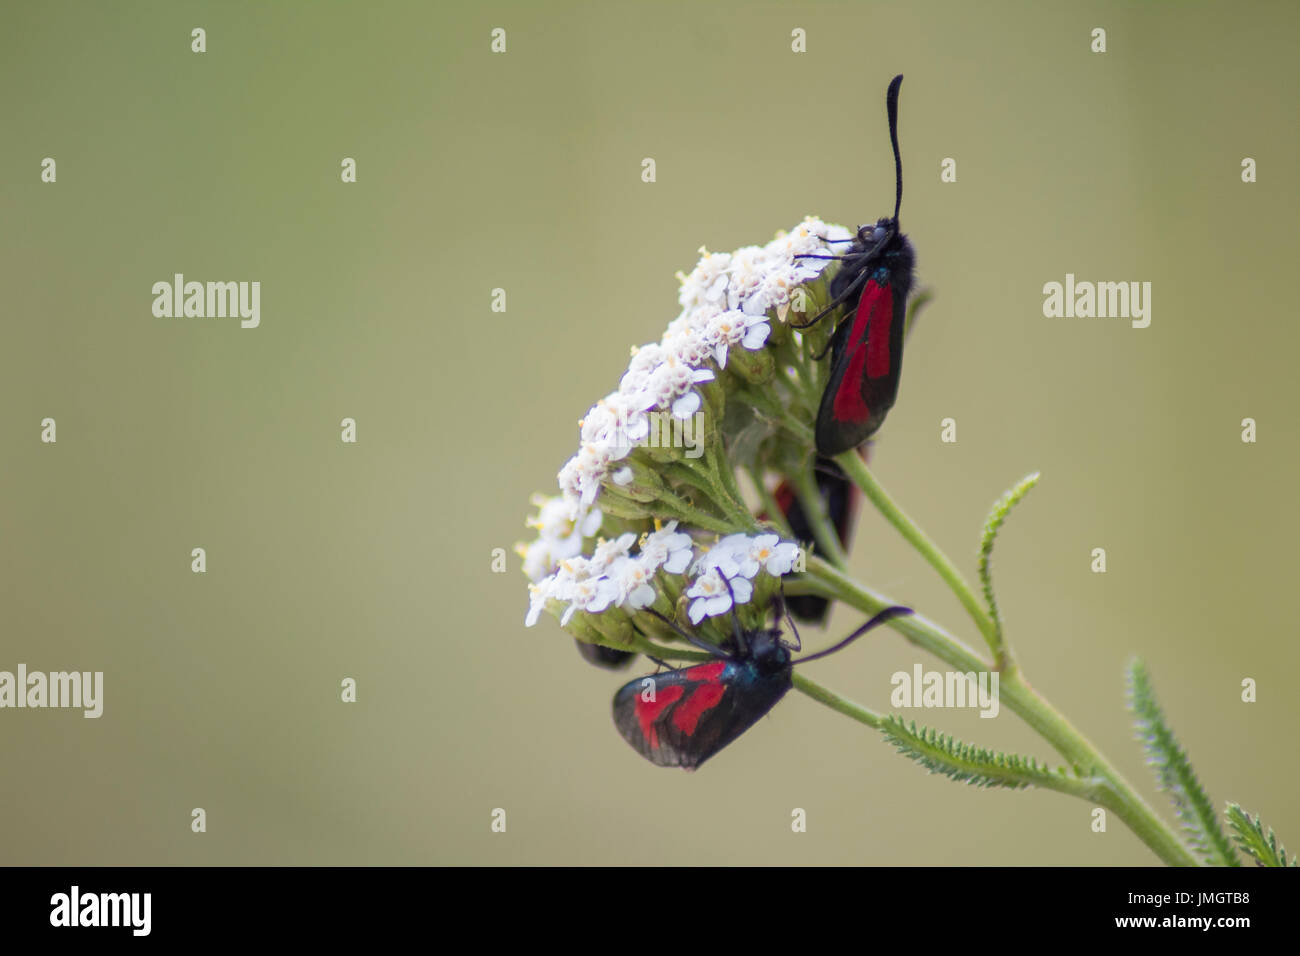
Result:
[[614, 577], [558, 536], [726, 303], [724, 574]]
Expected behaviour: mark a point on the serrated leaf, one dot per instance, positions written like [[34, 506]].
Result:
[[1174, 772], [992, 525], [1251, 836], [967, 763]]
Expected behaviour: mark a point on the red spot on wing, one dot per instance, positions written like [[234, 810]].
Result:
[[850, 406], [882, 317], [706, 697], [709, 672], [868, 351], [648, 711]]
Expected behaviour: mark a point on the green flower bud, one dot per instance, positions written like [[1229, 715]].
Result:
[[757, 368], [644, 484], [612, 503], [612, 625]]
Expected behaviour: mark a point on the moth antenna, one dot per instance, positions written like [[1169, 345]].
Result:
[[881, 618], [688, 637], [891, 104], [843, 296]]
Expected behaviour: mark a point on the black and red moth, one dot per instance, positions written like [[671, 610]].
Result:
[[681, 718], [867, 346]]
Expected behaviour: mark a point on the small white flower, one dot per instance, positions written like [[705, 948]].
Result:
[[727, 556], [570, 488], [672, 385], [688, 342], [748, 265], [571, 571], [592, 466], [784, 557], [615, 423], [833, 235], [667, 548], [538, 595], [555, 522], [777, 287], [592, 595], [707, 283], [777, 557], [607, 552], [590, 522], [687, 405], [645, 360], [558, 535], [632, 577], [598, 427], [713, 595], [736, 328], [756, 333], [571, 582], [594, 425], [540, 558], [808, 238]]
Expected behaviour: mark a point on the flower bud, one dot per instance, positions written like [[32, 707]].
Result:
[[635, 479], [757, 368]]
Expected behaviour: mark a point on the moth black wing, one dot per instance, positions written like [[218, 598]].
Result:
[[681, 718], [839, 497], [867, 354]]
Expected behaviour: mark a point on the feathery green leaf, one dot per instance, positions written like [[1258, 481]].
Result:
[[991, 527], [943, 754], [1253, 839], [1174, 772]]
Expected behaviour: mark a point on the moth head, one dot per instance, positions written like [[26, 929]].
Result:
[[768, 651], [873, 234]]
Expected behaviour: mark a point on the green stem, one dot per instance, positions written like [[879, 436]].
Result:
[[1088, 788], [814, 510], [918, 629], [796, 428], [837, 703], [857, 470], [799, 378], [724, 478], [778, 415], [1111, 791], [717, 488], [682, 510], [773, 511], [700, 479], [1116, 794]]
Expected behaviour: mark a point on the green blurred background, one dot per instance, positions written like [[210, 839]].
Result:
[[522, 171]]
